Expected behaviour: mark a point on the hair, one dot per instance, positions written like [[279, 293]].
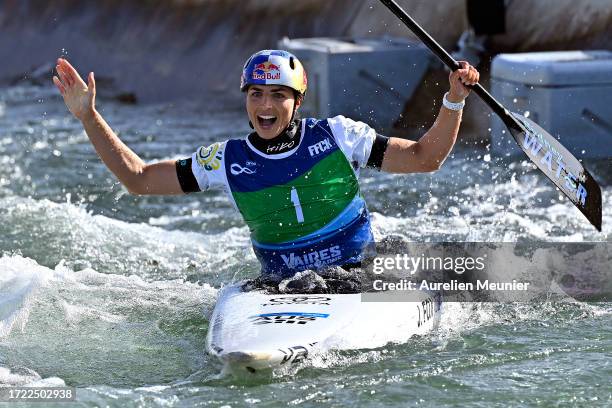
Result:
[[298, 97]]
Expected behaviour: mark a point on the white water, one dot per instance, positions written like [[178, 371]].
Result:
[[112, 293]]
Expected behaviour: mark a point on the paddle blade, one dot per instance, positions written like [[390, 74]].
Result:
[[559, 165]]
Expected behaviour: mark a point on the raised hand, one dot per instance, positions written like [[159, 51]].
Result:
[[80, 98], [466, 75]]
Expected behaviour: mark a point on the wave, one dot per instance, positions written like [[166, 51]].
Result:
[[23, 279], [51, 232], [64, 322], [25, 377], [19, 281], [497, 212]]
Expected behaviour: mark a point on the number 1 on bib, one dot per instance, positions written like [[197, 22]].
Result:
[[298, 206]]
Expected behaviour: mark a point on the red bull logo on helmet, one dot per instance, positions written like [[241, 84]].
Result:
[[266, 71]]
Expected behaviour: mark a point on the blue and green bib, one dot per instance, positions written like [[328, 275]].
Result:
[[304, 209]]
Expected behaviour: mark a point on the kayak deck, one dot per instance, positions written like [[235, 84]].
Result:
[[252, 331]]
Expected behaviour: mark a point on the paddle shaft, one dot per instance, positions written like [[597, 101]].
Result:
[[444, 56]]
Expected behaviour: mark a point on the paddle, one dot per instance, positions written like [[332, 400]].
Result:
[[554, 160]]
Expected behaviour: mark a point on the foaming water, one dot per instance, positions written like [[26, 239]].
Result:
[[112, 293], [18, 283], [83, 325], [24, 377], [54, 232]]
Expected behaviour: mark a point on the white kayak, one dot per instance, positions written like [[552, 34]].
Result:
[[253, 331]]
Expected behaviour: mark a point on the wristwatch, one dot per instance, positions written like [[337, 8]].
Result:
[[452, 105]]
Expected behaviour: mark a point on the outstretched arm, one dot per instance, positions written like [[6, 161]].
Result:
[[428, 154], [137, 176]]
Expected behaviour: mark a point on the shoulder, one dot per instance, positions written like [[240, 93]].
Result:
[[206, 153], [341, 125], [337, 124], [209, 158], [354, 138], [207, 165], [312, 122], [341, 120], [344, 127]]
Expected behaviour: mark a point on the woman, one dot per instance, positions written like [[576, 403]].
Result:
[[294, 181]]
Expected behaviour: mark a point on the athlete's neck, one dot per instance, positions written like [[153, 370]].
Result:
[[282, 143]]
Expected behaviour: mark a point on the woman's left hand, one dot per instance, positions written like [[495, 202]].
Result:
[[466, 75]]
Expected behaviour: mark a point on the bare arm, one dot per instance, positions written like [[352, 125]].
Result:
[[137, 176], [428, 154]]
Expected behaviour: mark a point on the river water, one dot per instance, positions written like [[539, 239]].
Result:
[[111, 293]]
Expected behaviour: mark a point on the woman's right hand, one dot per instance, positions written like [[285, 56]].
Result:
[[80, 98]]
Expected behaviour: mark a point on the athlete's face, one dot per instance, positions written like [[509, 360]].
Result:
[[270, 108]]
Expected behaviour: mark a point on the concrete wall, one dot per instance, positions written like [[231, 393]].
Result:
[[163, 50]]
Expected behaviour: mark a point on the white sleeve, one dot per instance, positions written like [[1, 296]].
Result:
[[355, 139], [207, 166]]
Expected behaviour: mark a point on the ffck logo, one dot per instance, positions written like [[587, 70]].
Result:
[[319, 148]]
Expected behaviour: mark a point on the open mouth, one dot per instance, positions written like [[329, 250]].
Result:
[[265, 121]]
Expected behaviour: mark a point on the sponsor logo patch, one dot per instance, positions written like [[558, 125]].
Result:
[[210, 157], [298, 300], [549, 157], [287, 317], [314, 258], [236, 169], [266, 71], [294, 354], [280, 147]]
